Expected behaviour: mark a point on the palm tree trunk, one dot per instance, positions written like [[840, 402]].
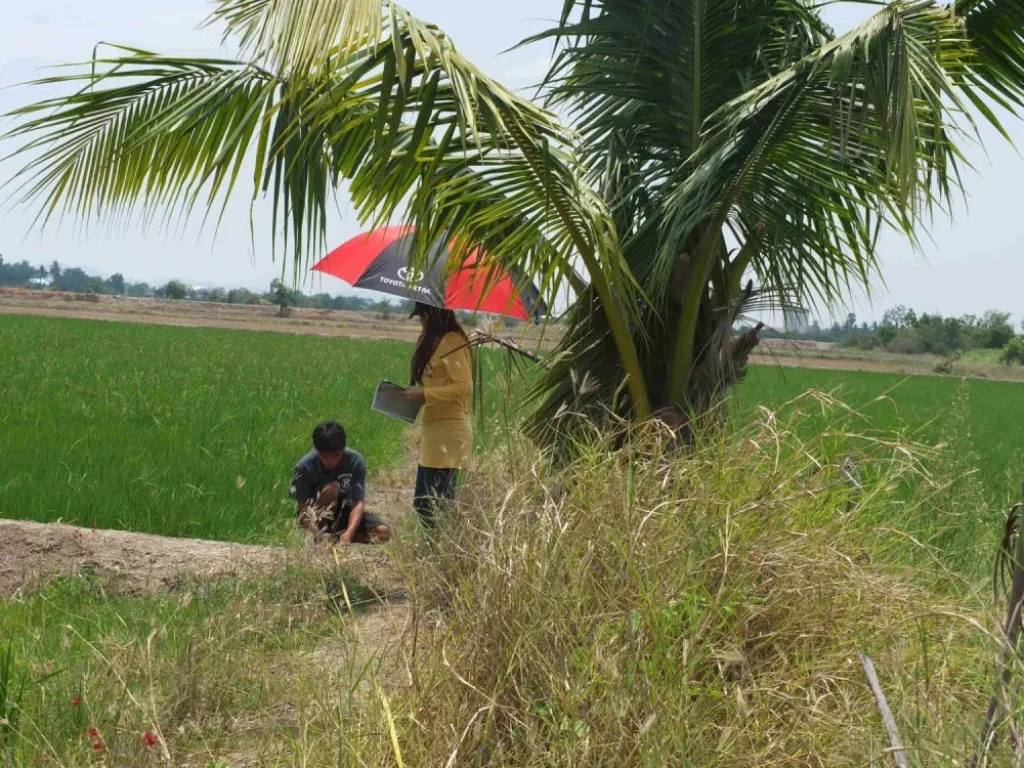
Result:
[[718, 358]]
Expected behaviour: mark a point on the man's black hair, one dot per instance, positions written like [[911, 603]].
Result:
[[329, 437]]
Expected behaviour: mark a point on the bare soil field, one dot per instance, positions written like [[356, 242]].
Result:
[[244, 317], [817, 354]]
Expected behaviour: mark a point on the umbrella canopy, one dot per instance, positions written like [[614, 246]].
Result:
[[379, 261]]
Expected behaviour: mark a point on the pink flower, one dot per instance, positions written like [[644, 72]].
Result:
[[97, 747], [94, 733], [148, 739], [76, 700]]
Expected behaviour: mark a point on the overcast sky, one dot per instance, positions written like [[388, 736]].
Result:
[[971, 265]]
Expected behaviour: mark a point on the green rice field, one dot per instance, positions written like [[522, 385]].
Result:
[[177, 431], [192, 432], [985, 417]]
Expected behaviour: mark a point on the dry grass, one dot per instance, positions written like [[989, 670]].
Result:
[[643, 608]]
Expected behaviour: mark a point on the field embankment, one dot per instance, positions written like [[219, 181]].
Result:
[[32, 554], [977, 363]]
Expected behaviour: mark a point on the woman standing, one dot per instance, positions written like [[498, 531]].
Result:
[[442, 379]]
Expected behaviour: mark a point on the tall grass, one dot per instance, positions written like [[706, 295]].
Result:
[[645, 608], [12, 690], [209, 669], [922, 408]]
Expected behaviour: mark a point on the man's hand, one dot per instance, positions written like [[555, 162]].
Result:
[[355, 517], [413, 395]]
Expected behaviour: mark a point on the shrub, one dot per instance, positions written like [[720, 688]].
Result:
[[242, 296], [96, 285], [282, 295], [175, 290], [860, 341], [886, 334], [906, 342], [1013, 352], [116, 284], [994, 330], [138, 289]]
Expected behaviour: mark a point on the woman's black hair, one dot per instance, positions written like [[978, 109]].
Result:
[[439, 322]]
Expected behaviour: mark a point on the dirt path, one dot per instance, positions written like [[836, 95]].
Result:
[[33, 552], [137, 563]]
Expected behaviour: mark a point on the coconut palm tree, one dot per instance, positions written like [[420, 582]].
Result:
[[714, 156]]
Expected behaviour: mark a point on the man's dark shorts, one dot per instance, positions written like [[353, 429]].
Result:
[[338, 523]]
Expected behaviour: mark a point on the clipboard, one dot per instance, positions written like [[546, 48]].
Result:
[[388, 401]]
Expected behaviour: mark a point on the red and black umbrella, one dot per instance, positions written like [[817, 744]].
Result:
[[379, 261]]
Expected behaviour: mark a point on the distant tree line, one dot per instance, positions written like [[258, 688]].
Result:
[[903, 330], [73, 279]]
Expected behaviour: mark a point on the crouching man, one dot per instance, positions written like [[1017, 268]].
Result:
[[329, 485]]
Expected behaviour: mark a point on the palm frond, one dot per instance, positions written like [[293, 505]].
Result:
[[641, 79], [862, 130], [296, 37], [440, 144], [395, 109], [695, 118], [995, 70], [163, 131]]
